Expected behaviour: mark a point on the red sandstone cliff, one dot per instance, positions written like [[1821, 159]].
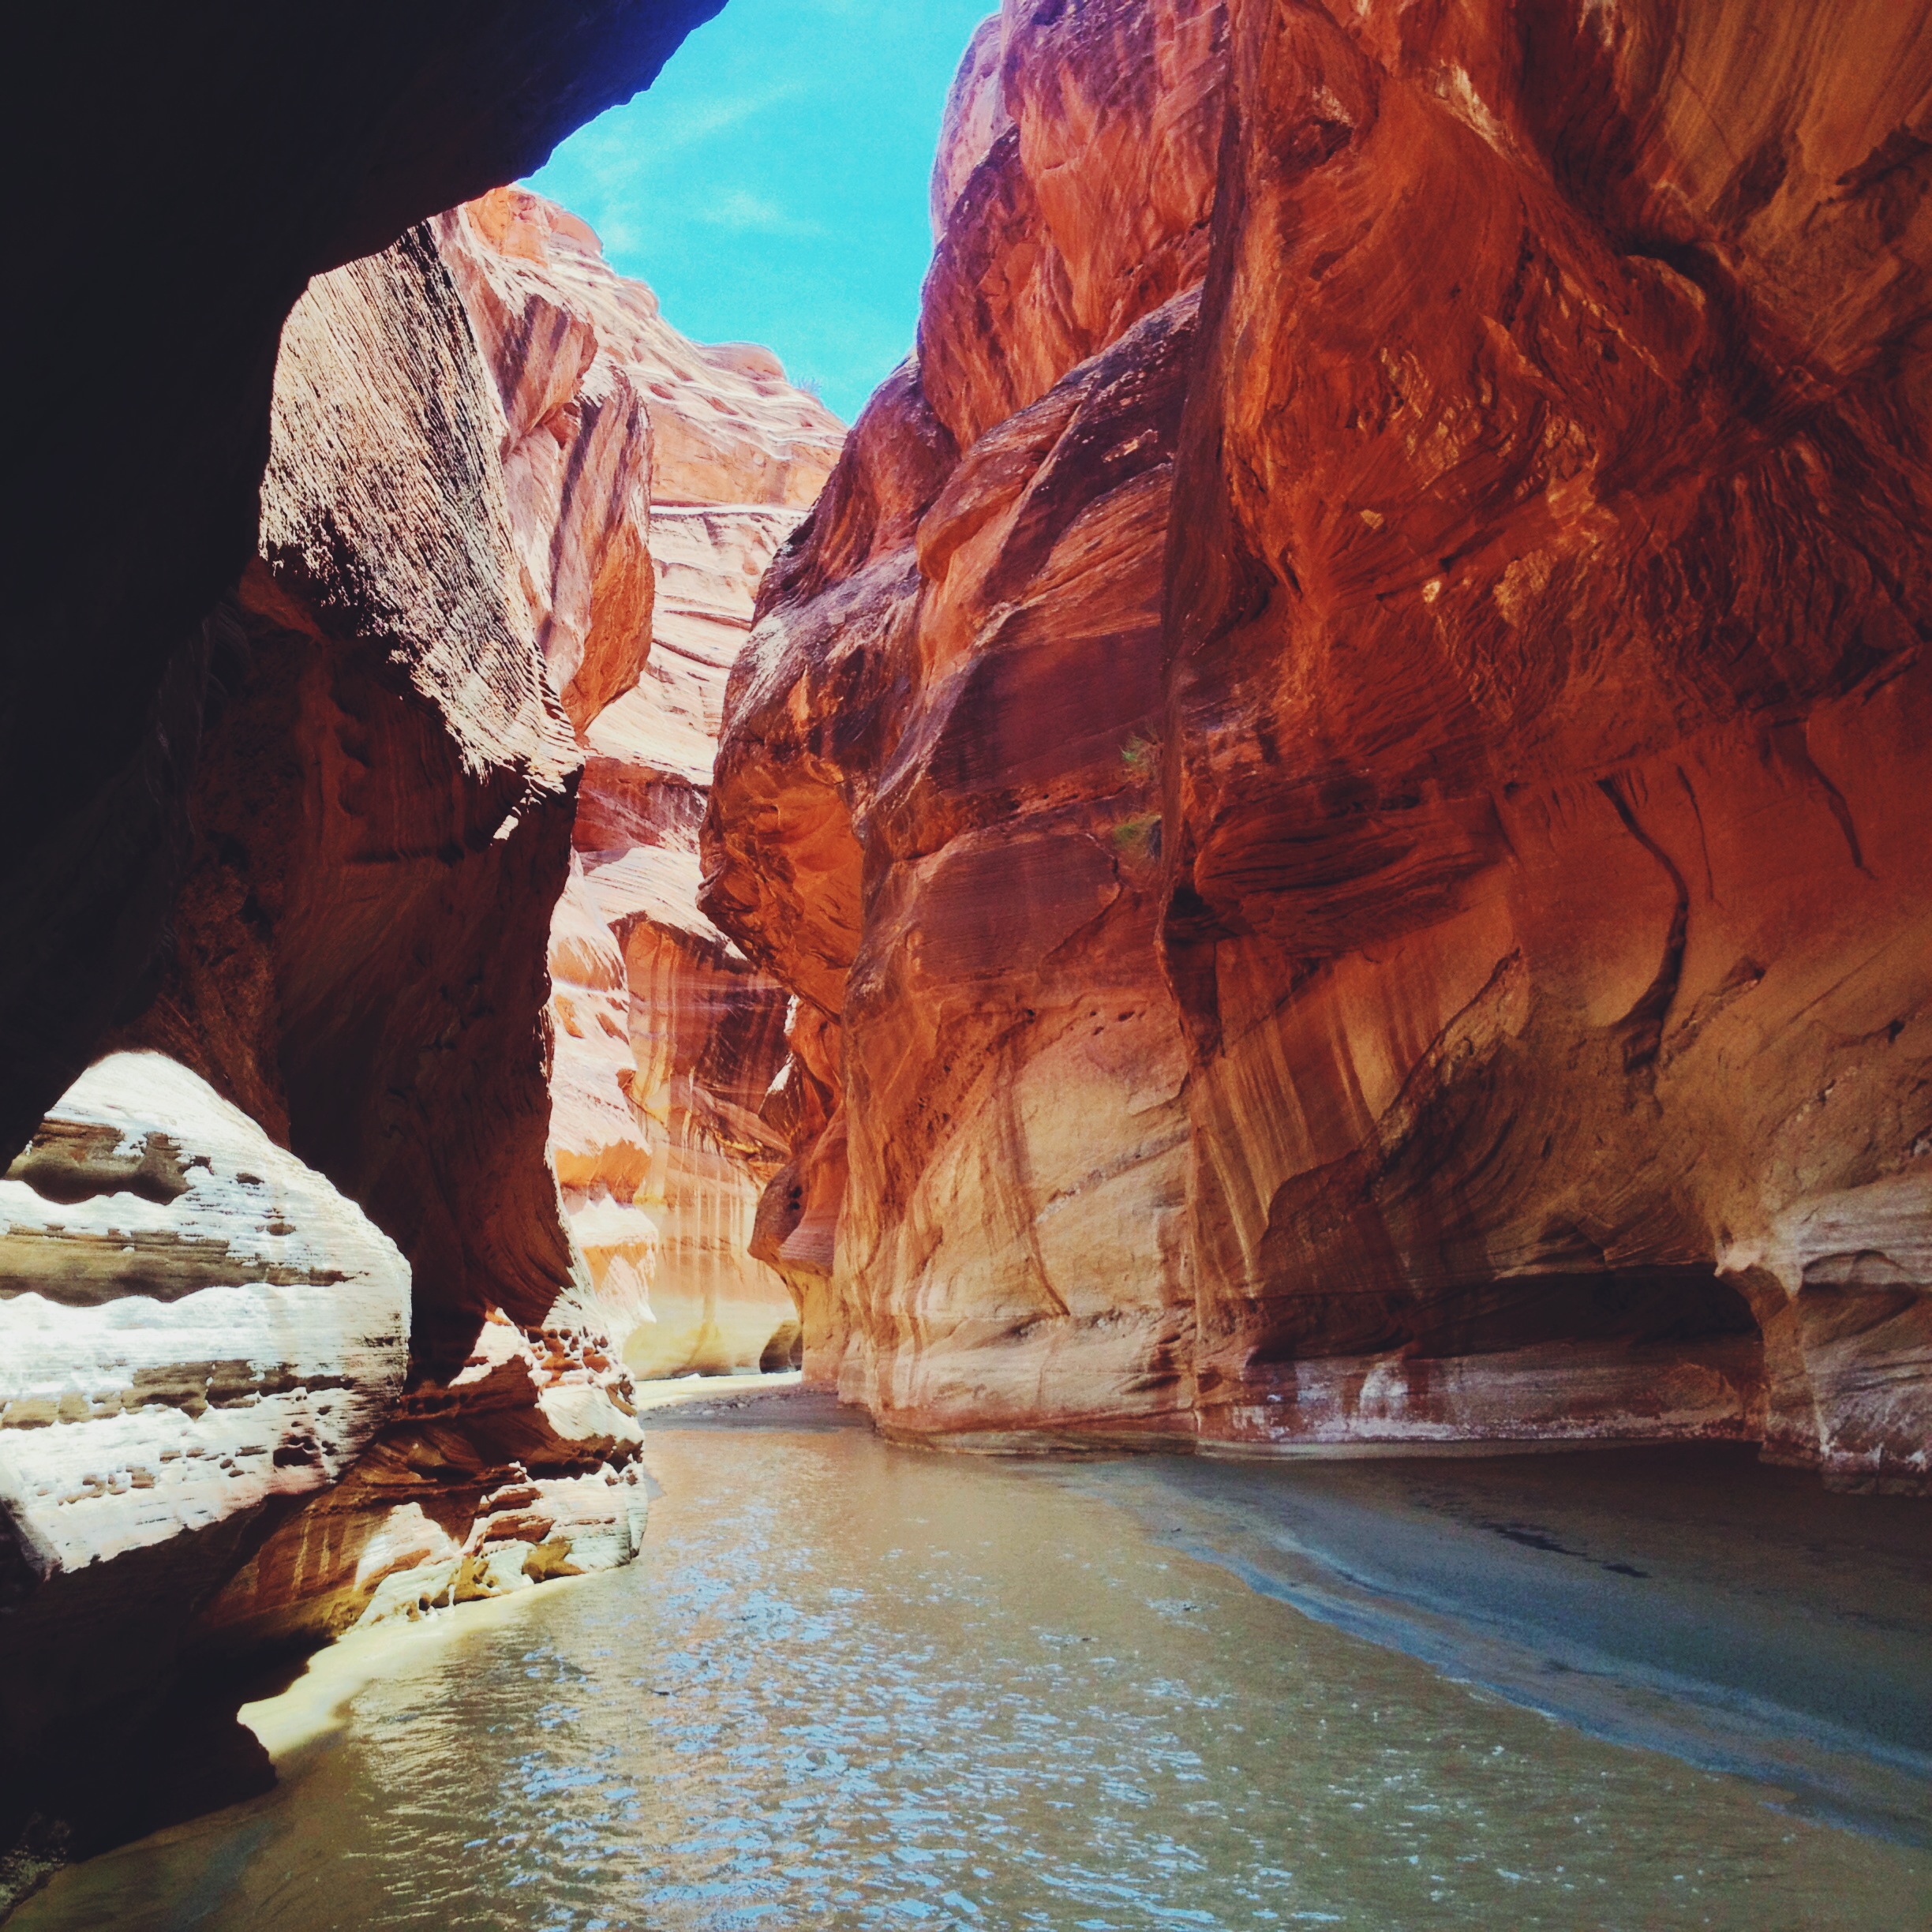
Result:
[[383, 807], [654, 1022], [1341, 765], [666, 1039]]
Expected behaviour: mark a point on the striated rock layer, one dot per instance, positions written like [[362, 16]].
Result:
[[384, 808], [518, 1468], [1341, 766], [343, 800], [195, 1332], [667, 1040]]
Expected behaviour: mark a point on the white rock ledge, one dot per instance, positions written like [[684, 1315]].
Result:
[[191, 1320]]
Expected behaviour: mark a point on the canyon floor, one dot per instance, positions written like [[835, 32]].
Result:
[[850, 1684]]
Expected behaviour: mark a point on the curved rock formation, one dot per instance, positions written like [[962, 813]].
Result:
[[382, 724], [288, 145], [666, 1039], [195, 1331], [384, 808], [1347, 748], [938, 800], [518, 1468]]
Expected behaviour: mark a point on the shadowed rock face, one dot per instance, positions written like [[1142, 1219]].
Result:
[[1343, 756], [383, 807], [356, 925], [289, 142], [456, 518]]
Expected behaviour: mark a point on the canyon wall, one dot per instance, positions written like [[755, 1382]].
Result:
[[667, 1040], [356, 969], [607, 1215], [384, 808], [454, 580], [1340, 772], [289, 142]]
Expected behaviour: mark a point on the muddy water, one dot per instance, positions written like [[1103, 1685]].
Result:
[[853, 1686]]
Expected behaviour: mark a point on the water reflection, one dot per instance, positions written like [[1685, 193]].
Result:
[[850, 1686]]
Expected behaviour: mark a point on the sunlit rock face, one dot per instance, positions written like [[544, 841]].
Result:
[[1546, 731], [518, 1468], [938, 800], [195, 1331], [1347, 751], [666, 1039]]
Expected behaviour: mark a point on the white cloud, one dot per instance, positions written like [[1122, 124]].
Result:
[[619, 148], [739, 212]]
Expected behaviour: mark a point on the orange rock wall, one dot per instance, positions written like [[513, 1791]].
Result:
[[1344, 751], [666, 1039], [456, 583]]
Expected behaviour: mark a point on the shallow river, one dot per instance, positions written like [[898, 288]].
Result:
[[849, 1686]]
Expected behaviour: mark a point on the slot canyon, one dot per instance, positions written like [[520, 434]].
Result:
[[1293, 876]]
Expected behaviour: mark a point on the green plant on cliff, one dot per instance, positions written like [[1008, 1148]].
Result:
[[1138, 836]]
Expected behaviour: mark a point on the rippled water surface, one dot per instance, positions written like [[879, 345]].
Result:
[[849, 1686]]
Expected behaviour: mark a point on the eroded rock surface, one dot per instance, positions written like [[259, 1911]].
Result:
[[666, 1039], [288, 145], [383, 811], [196, 1330], [518, 1468], [1341, 765], [384, 808]]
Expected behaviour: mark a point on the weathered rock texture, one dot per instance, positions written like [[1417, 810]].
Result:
[[667, 1040], [289, 142], [1344, 756], [195, 1331], [517, 1469], [384, 808]]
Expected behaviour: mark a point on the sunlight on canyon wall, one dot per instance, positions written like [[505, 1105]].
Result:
[[1344, 753]]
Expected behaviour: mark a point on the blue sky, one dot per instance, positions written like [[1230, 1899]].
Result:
[[771, 185]]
